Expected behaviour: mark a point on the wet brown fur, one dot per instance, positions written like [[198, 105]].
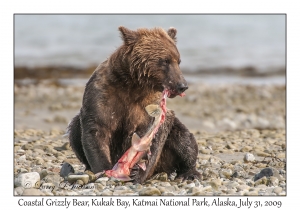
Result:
[[114, 102]]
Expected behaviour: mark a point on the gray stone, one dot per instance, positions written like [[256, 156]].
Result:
[[242, 187], [225, 173], [43, 174], [28, 180], [168, 194], [26, 147], [189, 185], [267, 172], [273, 181], [262, 181], [20, 190], [195, 190], [53, 178], [215, 184], [39, 161], [254, 192], [150, 191], [249, 157], [22, 159], [74, 177], [107, 192], [66, 169], [22, 170], [65, 146], [277, 190], [105, 179], [32, 192], [92, 176]]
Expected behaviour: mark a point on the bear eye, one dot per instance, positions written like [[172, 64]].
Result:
[[167, 61], [179, 61]]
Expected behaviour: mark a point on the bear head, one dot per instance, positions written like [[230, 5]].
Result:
[[153, 59]]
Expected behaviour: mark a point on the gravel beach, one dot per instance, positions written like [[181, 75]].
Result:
[[240, 131]]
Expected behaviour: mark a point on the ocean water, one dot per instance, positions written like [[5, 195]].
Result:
[[204, 41]]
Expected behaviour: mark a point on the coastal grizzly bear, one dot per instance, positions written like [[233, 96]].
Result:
[[114, 102]]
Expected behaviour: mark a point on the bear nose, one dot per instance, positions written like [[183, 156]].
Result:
[[182, 87]]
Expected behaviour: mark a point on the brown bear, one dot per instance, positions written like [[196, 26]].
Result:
[[113, 108]]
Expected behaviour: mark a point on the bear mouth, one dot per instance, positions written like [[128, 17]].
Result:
[[172, 94]]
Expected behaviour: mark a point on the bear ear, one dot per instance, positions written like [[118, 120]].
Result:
[[129, 37], [172, 33]]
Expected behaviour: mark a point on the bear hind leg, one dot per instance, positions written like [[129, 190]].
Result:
[[74, 131]]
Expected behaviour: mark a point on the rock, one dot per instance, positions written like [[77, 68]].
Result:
[[251, 193], [122, 192], [281, 155], [225, 173], [74, 177], [149, 191], [79, 182], [65, 146], [230, 146], [242, 187], [215, 184], [277, 190], [249, 158], [26, 147], [261, 181], [18, 190], [39, 161], [246, 149], [105, 179], [121, 188], [205, 151], [22, 170], [53, 178], [267, 172], [20, 151], [168, 194], [92, 176], [194, 190], [32, 192], [262, 154], [43, 174], [232, 184], [273, 181], [22, 159], [66, 169], [28, 180], [107, 192]]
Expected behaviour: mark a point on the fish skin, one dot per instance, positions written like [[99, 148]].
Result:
[[140, 146]]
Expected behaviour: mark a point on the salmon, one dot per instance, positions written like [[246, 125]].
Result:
[[140, 146]]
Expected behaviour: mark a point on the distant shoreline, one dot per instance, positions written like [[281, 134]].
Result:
[[63, 72]]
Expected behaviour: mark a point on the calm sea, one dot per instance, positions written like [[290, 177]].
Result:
[[204, 41]]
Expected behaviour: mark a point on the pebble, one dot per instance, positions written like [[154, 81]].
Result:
[[74, 177], [28, 180], [221, 175], [195, 190], [66, 169], [277, 190], [267, 172], [149, 191], [18, 190], [32, 192], [249, 158]]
